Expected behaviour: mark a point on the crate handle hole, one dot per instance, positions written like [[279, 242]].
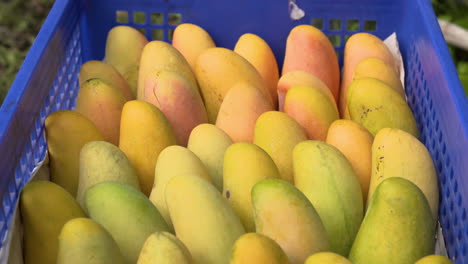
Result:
[[174, 19], [370, 25], [157, 34], [335, 24], [352, 25], [121, 16], [335, 40], [317, 22], [157, 18], [139, 18]]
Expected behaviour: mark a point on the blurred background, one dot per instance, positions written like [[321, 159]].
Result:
[[20, 21]]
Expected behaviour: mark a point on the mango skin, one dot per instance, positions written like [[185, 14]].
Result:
[[102, 104], [239, 111], [172, 161], [95, 69], [296, 78], [355, 142], [45, 207], [396, 153], [101, 161], [327, 179], [327, 258], [203, 219], [434, 259], [284, 214], [83, 241], [375, 105], [309, 50], [277, 134], [257, 51], [245, 164], [144, 133], [257, 248], [164, 248], [191, 40], [311, 109], [111, 203], [217, 70], [67, 132], [124, 46], [181, 104], [209, 143], [397, 227]]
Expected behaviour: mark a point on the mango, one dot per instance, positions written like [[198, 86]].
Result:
[[311, 109], [209, 143], [217, 70], [180, 103], [45, 207], [257, 248], [101, 161], [191, 40], [327, 179], [66, 133], [126, 214], [173, 161], [257, 51], [164, 248], [124, 46], [203, 219], [327, 258], [309, 50], [277, 134], [245, 164], [358, 47], [397, 228], [296, 78], [375, 105], [434, 259], [102, 104], [95, 69], [144, 133], [396, 153], [83, 241], [355, 143], [239, 111]]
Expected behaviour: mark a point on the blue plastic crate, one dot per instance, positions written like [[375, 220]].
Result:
[[75, 31]]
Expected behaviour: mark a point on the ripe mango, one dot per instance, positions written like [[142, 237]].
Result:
[[173, 161], [95, 69], [245, 164], [217, 70], [309, 50], [396, 153], [358, 47], [375, 105], [83, 241], [191, 40], [397, 228], [102, 104], [311, 108], [277, 134], [45, 207], [355, 143], [257, 51], [66, 133], [241, 107], [124, 46], [209, 143], [164, 248], [327, 258], [434, 259], [296, 78], [180, 103], [126, 214], [257, 248], [203, 219], [101, 161], [327, 179], [284, 214], [144, 133]]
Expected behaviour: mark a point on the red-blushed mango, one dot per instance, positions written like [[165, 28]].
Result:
[[309, 50], [180, 103], [296, 78], [257, 51], [241, 107], [312, 109]]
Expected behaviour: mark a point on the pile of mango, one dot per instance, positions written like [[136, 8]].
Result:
[[192, 153]]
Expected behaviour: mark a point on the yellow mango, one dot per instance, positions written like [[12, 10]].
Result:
[[434, 259], [327, 258], [164, 248], [257, 248]]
